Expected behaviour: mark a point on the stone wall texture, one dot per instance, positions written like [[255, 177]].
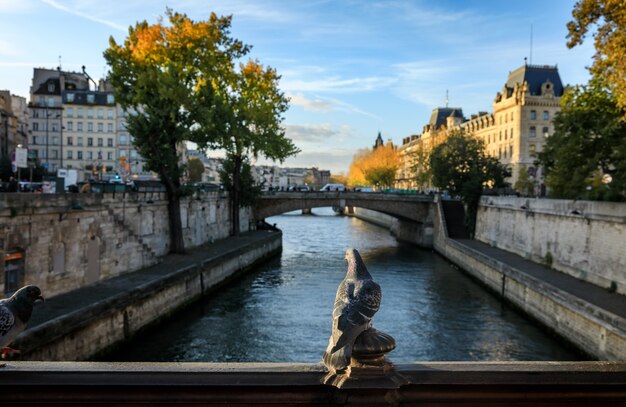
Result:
[[71, 240], [581, 238]]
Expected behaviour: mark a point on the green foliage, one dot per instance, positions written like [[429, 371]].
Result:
[[524, 184], [420, 166], [250, 190], [588, 147], [609, 64], [196, 169], [460, 166]]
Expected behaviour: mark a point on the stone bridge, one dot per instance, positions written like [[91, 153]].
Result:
[[414, 213]]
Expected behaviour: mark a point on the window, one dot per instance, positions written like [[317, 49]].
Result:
[[100, 142], [109, 142], [51, 101], [80, 141], [110, 99], [506, 134], [546, 115], [90, 155], [35, 113], [533, 132], [110, 114], [546, 132], [511, 151], [70, 126], [70, 97], [34, 139], [100, 127], [100, 114], [79, 155], [512, 116], [35, 126], [123, 139], [91, 98], [79, 126], [90, 126], [533, 115], [90, 113], [500, 135], [51, 87], [69, 112], [69, 154], [511, 133], [55, 154], [89, 141], [110, 127], [110, 156], [532, 150], [70, 141], [55, 140], [55, 127]]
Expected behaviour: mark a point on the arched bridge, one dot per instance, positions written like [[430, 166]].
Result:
[[414, 212]]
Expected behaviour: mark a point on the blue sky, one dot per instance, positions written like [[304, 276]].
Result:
[[351, 68]]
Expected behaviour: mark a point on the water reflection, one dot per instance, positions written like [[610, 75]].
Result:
[[282, 312]]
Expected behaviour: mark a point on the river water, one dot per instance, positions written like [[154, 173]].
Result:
[[281, 312]]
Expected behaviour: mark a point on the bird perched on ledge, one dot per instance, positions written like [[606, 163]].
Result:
[[15, 313], [357, 300]]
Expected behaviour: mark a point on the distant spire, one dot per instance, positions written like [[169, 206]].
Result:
[[60, 65], [446, 97]]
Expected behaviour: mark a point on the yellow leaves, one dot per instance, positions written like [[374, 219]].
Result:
[[147, 41], [377, 166]]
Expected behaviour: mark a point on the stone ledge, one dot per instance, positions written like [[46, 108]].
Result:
[[441, 383]]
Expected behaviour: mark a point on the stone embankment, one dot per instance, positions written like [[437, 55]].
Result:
[[83, 323]]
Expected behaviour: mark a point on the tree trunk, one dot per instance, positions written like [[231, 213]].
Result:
[[234, 197], [177, 243]]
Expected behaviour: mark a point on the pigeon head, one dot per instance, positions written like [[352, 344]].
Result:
[[356, 267], [28, 295]]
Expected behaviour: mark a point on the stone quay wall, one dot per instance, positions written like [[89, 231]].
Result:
[[584, 239], [62, 242], [595, 331], [105, 324]]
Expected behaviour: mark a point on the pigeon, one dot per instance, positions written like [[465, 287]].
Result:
[[357, 300], [14, 315]]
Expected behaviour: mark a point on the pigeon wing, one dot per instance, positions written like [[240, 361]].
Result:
[[358, 313], [7, 320]]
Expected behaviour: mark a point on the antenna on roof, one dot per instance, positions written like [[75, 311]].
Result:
[[60, 66], [446, 97], [531, 44]]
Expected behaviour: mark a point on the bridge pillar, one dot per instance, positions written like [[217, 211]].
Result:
[[417, 233]]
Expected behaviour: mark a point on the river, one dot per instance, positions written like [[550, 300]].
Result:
[[281, 312]]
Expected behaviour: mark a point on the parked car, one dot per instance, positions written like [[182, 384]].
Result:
[[333, 187]]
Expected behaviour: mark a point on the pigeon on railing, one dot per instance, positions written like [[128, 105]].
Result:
[[15, 313], [357, 300]]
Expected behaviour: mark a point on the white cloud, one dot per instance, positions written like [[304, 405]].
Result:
[[314, 133], [311, 105], [86, 14], [337, 84]]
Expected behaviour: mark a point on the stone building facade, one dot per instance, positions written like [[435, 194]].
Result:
[[13, 123], [514, 132]]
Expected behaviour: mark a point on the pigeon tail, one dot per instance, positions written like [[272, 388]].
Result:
[[339, 360]]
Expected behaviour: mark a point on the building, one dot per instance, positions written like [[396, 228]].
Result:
[[75, 126], [13, 122], [514, 132]]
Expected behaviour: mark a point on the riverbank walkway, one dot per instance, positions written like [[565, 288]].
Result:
[[73, 301], [590, 293]]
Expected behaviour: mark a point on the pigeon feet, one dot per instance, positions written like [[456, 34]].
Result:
[[8, 351]]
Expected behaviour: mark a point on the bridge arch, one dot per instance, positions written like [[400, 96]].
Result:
[[414, 212]]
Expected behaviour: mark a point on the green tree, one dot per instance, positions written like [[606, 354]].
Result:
[[609, 64], [251, 125], [196, 169], [168, 77], [420, 166], [524, 184], [250, 189], [460, 166], [588, 146]]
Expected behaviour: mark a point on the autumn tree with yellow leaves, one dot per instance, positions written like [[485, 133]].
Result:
[[375, 167]]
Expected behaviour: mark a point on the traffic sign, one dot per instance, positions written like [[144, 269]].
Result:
[[21, 157]]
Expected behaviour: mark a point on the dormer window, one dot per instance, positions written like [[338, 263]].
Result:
[[70, 97], [51, 87], [91, 98], [110, 99]]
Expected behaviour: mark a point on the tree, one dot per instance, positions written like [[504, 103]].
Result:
[[375, 167], [588, 146], [339, 179], [250, 189], [168, 77], [196, 169], [251, 111], [461, 166], [609, 63], [524, 185], [420, 166]]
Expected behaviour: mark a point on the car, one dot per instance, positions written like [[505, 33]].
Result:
[[364, 189], [333, 187]]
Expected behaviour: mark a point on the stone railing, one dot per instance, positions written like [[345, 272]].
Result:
[[442, 384]]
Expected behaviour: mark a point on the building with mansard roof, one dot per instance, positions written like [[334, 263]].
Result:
[[514, 132]]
